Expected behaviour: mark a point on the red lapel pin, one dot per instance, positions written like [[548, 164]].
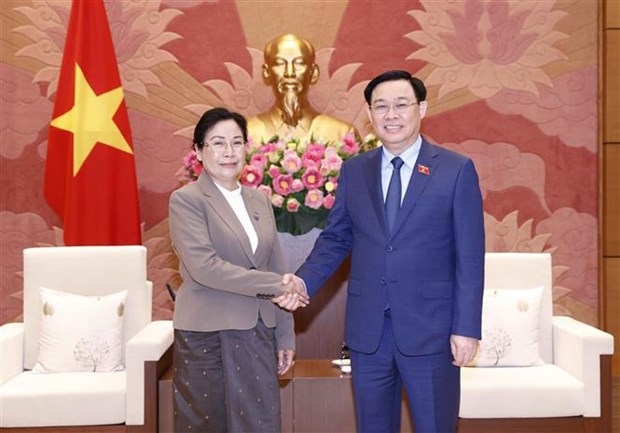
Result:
[[423, 169]]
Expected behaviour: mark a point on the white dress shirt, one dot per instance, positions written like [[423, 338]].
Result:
[[409, 157]]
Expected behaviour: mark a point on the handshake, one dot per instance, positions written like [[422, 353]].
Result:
[[295, 294]]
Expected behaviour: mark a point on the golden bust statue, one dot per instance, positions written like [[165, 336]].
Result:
[[290, 69]]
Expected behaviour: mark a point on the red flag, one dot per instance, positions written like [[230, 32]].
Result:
[[423, 169], [90, 174]]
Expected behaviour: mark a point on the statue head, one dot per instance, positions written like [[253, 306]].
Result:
[[290, 69]]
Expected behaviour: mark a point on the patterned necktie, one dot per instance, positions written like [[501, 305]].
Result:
[[392, 199]]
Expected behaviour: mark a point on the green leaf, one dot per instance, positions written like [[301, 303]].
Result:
[[301, 222]]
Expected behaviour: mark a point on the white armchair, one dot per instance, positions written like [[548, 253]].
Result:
[[571, 388], [123, 400]]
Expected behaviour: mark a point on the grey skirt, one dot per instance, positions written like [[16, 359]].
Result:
[[226, 381]]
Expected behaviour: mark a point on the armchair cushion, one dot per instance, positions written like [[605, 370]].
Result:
[[63, 399], [80, 333], [520, 392], [510, 328]]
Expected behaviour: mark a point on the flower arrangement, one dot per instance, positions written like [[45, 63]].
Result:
[[191, 168], [299, 178]]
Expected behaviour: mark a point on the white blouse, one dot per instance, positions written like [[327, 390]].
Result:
[[235, 200]]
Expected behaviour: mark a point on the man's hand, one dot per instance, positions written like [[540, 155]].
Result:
[[463, 349], [295, 295], [285, 360]]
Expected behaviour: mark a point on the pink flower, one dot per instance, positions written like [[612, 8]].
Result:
[[282, 184], [251, 176], [350, 146], [277, 200], [269, 148], [280, 144], [258, 160], [312, 179], [265, 189], [274, 171], [291, 162], [192, 166], [292, 205], [315, 152], [328, 201], [298, 185], [314, 199], [270, 151], [189, 158], [308, 161], [331, 162]]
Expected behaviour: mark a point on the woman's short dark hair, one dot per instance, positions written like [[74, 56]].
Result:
[[214, 116], [418, 85]]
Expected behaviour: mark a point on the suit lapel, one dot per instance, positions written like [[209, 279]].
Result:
[[221, 207], [373, 180], [256, 212], [423, 170]]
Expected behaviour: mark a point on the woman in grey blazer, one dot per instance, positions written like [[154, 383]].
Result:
[[231, 340]]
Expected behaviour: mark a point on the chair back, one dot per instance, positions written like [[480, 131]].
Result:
[[89, 271], [525, 271]]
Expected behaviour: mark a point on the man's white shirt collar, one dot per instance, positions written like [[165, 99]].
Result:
[[409, 156]]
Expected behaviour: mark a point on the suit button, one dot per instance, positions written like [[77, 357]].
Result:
[[383, 281], [390, 248]]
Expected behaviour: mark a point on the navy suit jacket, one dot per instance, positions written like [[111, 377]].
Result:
[[429, 270]]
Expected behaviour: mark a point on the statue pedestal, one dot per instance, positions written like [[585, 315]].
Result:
[[319, 327], [297, 248]]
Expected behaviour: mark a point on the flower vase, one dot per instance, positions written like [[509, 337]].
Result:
[[295, 248]]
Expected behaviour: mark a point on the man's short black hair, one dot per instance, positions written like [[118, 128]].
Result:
[[418, 85]]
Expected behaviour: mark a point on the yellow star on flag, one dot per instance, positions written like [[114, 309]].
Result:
[[91, 120]]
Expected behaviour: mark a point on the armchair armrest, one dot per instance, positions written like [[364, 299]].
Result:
[[11, 351], [149, 344], [577, 348]]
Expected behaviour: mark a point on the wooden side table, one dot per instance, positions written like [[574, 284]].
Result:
[[322, 398]]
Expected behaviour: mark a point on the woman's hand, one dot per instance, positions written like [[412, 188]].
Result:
[[295, 294], [285, 360]]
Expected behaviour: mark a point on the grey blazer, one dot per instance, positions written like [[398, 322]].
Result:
[[225, 285]]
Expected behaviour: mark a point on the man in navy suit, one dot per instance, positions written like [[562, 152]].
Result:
[[410, 215]]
